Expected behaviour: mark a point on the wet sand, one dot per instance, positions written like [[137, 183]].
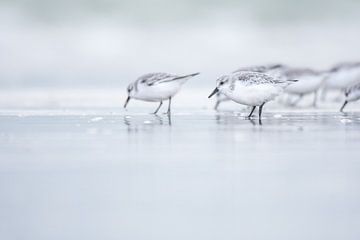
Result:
[[105, 174]]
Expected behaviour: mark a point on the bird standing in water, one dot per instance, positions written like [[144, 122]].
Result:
[[352, 94], [250, 88], [156, 87]]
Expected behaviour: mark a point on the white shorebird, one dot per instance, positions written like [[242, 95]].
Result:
[[309, 82], [341, 77], [352, 94], [250, 88], [156, 87], [274, 70]]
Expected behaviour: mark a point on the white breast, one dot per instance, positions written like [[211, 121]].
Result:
[[157, 92], [253, 95]]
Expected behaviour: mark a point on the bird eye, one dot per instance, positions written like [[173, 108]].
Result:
[[221, 83]]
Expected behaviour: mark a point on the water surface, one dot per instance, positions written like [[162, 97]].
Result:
[[106, 174]]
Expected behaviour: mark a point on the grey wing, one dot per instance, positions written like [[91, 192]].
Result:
[[251, 69], [255, 78], [293, 73], [345, 65], [156, 78], [260, 68]]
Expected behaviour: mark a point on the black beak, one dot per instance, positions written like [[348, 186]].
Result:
[[216, 90], [127, 101]]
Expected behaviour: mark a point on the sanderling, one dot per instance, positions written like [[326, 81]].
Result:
[[274, 70], [341, 77], [309, 82], [250, 88], [156, 87], [352, 94]]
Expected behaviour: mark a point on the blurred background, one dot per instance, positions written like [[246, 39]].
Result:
[[105, 44], [74, 165]]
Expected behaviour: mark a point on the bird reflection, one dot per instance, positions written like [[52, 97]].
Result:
[[134, 123], [232, 119], [127, 120], [161, 119]]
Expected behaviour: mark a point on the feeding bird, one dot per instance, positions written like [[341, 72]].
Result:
[[250, 88], [352, 94], [274, 70], [309, 82], [341, 77], [156, 87]]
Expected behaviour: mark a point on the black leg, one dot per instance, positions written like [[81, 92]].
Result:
[[315, 98], [252, 111], [297, 100], [323, 94], [169, 119], [217, 104], [260, 110], [169, 107], [343, 106], [158, 108]]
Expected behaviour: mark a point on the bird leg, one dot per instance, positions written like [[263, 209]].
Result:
[[343, 106], [252, 111], [169, 107], [297, 100], [158, 107], [260, 110], [315, 99]]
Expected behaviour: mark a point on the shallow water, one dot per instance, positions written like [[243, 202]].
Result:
[[111, 175]]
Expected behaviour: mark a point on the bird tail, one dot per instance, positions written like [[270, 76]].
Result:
[[292, 81], [289, 82], [187, 76]]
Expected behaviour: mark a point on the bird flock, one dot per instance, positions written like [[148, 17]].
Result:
[[256, 85]]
